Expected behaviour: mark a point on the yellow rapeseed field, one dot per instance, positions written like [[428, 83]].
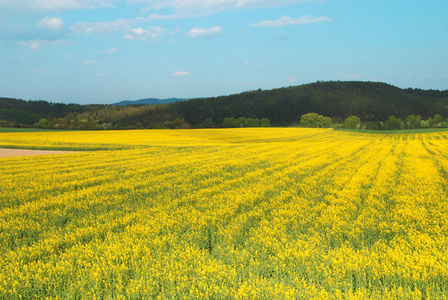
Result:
[[262, 213]]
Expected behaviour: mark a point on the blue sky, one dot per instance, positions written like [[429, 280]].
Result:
[[104, 51]]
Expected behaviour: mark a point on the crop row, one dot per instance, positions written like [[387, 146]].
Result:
[[226, 214]]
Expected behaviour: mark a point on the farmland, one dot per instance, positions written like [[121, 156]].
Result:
[[260, 213]]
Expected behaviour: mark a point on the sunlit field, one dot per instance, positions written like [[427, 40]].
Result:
[[267, 213]]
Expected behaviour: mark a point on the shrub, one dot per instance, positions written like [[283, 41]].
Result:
[[352, 122], [315, 120]]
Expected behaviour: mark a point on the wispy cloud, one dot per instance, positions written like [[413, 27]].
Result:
[[50, 24], [54, 5], [152, 34], [204, 32], [214, 5], [110, 51], [288, 21], [175, 16], [90, 62], [121, 25], [355, 76], [58, 74], [124, 26], [102, 74], [179, 8], [47, 31], [181, 73], [413, 76], [36, 45], [31, 45]]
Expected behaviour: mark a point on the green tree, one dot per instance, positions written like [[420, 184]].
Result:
[[411, 121], [177, 123], [251, 122], [229, 122], [44, 123], [352, 122], [393, 123], [326, 121], [315, 120], [241, 122], [437, 120], [418, 121], [265, 122], [309, 120]]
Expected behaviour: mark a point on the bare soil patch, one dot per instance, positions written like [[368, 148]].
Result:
[[23, 152]]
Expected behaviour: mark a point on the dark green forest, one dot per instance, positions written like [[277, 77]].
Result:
[[374, 103]]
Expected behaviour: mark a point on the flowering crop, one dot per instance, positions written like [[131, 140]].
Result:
[[258, 213]]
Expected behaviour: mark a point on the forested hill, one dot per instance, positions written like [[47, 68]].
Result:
[[370, 101], [23, 112]]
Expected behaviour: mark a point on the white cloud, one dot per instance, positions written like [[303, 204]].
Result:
[[124, 26], [158, 17], [177, 9], [287, 21], [102, 74], [445, 75], [90, 62], [144, 10], [356, 76], [204, 32], [153, 34], [413, 76], [31, 45], [61, 4], [50, 24], [181, 73], [291, 80], [214, 5], [53, 5], [48, 31], [110, 51], [121, 25], [58, 74], [35, 45]]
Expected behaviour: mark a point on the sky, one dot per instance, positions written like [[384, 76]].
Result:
[[105, 51]]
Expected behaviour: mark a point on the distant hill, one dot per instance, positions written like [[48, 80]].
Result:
[[29, 112], [149, 101], [371, 101]]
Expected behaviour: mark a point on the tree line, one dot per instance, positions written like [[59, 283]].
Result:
[[372, 102], [393, 123]]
